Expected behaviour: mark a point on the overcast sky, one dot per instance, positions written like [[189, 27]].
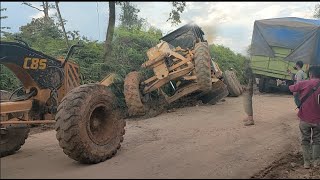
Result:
[[226, 23]]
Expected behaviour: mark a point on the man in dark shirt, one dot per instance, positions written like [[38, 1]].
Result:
[[309, 114]]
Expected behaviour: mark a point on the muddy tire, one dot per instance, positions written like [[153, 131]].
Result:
[[133, 95], [232, 83], [89, 126], [202, 60], [218, 92], [13, 138]]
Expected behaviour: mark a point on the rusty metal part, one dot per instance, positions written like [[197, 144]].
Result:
[[19, 106], [27, 122], [108, 80], [152, 62], [174, 75], [188, 89]]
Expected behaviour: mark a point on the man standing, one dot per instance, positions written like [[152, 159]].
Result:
[[299, 76], [248, 94], [309, 114]]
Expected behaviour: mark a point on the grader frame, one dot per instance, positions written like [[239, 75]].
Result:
[[188, 69], [182, 67]]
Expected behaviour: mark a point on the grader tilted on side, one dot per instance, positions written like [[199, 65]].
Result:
[[183, 60]]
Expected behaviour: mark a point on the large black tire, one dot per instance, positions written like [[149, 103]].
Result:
[[89, 124], [133, 95], [12, 139], [261, 85], [202, 60], [13, 136], [266, 85], [230, 80], [218, 92]]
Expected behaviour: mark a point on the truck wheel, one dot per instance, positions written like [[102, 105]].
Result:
[[265, 86], [202, 66], [218, 92], [132, 94], [89, 126], [230, 80], [12, 138], [261, 85]]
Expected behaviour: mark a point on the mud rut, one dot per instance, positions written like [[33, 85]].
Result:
[[289, 166]]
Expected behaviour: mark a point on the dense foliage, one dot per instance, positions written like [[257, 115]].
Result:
[[227, 59]]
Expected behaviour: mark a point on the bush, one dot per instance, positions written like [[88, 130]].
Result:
[[228, 59]]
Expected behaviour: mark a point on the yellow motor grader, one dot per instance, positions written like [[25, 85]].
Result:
[[182, 59]]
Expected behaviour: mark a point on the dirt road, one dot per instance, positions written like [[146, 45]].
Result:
[[192, 142]]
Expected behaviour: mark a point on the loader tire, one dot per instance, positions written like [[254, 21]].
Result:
[[202, 60], [89, 126], [132, 94], [230, 80], [218, 92], [12, 138]]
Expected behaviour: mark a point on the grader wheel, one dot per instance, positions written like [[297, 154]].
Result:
[[233, 83], [89, 127], [202, 66], [219, 91], [132, 94], [11, 137]]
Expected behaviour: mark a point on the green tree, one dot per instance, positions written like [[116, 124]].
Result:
[[227, 59], [1, 19], [75, 35], [129, 16], [41, 27], [46, 6], [62, 24], [177, 8], [174, 17], [317, 11], [110, 30], [249, 51]]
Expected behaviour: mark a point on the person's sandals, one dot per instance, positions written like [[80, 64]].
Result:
[[248, 121]]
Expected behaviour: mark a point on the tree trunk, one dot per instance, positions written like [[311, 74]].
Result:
[[45, 9], [62, 24], [110, 30]]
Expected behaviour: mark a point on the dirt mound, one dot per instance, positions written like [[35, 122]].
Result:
[[288, 167]]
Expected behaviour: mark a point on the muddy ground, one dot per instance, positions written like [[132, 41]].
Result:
[[288, 167], [190, 142]]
